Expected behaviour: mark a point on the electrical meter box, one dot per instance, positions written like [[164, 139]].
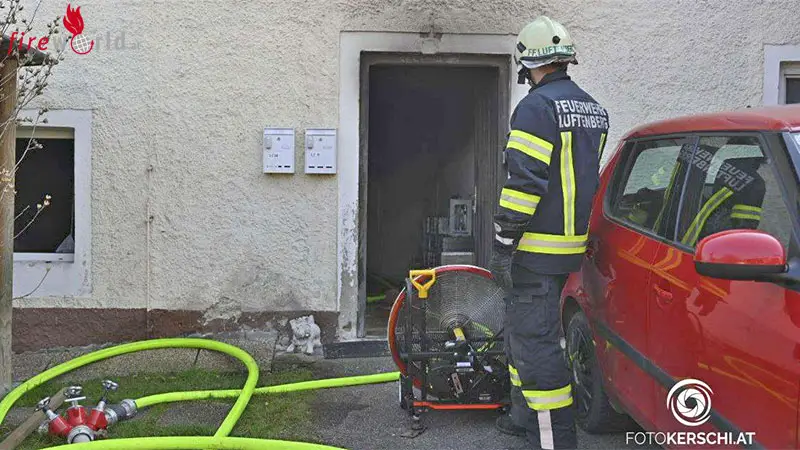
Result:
[[278, 150], [320, 151]]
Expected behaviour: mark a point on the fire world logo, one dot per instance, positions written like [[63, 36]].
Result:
[[690, 402], [73, 22]]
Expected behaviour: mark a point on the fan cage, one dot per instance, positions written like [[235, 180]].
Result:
[[464, 297]]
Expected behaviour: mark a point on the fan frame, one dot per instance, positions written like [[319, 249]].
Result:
[[399, 304]]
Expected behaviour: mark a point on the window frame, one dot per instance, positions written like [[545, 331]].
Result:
[[781, 165], [772, 160], [48, 131], [786, 172], [63, 274], [777, 60], [623, 170]]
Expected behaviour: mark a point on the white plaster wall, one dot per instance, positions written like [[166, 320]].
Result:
[[208, 76]]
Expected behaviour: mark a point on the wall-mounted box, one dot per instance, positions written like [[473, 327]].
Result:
[[278, 150], [460, 217], [320, 150]]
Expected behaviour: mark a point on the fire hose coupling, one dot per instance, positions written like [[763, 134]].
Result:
[[125, 410], [81, 433]]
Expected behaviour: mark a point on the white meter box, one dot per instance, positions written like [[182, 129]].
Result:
[[320, 151], [278, 150]]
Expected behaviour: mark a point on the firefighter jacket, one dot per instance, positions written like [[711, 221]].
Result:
[[552, 156]]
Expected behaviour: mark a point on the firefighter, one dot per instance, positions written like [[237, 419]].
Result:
[[552, 154]]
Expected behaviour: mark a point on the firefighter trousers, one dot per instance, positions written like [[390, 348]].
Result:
[[541, 391]]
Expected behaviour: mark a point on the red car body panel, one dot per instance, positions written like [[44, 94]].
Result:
[[777, 118], [740, 337]]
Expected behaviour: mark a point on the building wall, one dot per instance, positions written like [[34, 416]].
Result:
[[200, 79]]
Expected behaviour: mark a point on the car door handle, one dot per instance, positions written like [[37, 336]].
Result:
[[663, 294]]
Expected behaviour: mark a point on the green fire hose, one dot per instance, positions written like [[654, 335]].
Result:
[[221, 439]]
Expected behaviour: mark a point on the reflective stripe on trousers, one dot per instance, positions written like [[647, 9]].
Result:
[[514, 375], [546, 400]]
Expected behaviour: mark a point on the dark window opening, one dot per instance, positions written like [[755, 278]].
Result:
[[792, 90], [45, 176]]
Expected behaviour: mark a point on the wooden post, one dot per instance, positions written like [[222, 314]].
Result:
[[15, 438], [8, 105]]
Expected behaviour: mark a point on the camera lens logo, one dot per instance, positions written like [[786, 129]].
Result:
[[690, 402]]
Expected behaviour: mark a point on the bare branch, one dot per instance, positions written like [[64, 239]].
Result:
[[46, 272], [40, 207], [22, 212]]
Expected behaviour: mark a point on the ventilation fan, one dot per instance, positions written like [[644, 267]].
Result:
[[445, 335]]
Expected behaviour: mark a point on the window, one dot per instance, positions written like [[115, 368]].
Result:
[[53, 257], [732, 186], [790, 83], [45, 184], [648, 183], [781, 74]]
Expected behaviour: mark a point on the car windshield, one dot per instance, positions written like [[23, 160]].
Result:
[[796, 138]]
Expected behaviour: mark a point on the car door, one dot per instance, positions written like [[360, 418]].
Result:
[[622, 247], [737, 337]]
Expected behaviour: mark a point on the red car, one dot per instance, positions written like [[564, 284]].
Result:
[[685, 316]]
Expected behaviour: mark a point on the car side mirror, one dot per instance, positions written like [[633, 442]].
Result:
[[740, 255]]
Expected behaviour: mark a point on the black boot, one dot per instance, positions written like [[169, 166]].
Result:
[[506, 425]]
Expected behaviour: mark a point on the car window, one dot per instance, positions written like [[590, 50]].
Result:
[[732, 186], [648, 182]]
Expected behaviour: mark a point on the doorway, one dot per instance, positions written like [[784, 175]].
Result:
[[432, 131]]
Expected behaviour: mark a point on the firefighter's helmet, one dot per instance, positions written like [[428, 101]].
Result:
[[543, 41]]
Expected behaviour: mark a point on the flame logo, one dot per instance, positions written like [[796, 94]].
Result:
[[692, 406], [73, 22]]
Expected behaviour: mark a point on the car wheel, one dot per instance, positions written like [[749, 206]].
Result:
[[594, 412]]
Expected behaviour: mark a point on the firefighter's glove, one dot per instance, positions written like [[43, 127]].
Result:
[[507, 235], [500, 266]]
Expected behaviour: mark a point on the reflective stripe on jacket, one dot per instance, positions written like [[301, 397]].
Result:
[[558, 133]]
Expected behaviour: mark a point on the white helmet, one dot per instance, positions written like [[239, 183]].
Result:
[[543, 41]]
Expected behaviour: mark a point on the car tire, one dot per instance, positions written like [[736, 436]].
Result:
[[594, 413]]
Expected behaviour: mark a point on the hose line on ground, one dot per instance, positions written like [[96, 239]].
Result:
[[220, 440], [192, 442], [169, 397]]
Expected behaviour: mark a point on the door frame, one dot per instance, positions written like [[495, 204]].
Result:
[[486, 155], [352, 46]]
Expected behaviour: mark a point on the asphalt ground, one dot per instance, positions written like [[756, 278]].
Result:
[[370, 418]]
